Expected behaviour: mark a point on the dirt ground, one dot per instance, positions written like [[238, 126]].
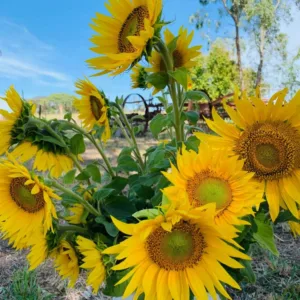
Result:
[[277, 278]]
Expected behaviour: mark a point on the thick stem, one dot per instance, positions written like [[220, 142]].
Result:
[[80, 200], [261, 57], [168, 60], [238, 52], [65, 228]]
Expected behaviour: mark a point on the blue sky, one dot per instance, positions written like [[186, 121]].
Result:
[[44, 44]]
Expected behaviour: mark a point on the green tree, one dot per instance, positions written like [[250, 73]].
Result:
[[235, 10]]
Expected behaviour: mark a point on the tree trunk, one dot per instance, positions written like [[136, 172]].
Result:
[[238, 53], [261, 57]]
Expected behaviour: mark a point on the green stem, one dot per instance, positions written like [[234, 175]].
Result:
[[181, 105], [168, 59], [80, 200], [93, 141], [64, 228], [132, 135]]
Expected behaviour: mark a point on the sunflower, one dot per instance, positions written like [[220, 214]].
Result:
[[92, 261], [206, 177], [267, 137], [122, 37], [44, 160], [66, 262], [12, 122], [76, 217], [25, 202], [92, 107], [183, 56], [171, 254], [139, 77], [39, 249]]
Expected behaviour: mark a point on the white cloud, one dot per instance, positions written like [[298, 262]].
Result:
[[24, 56]]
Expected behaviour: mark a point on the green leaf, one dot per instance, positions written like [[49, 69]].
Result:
[[103, 193], [77, 144], [118, 184], [285, 216], [113, 290], [181, 76], [68, 116], [146, 213], [127, 164], [162, 100], [158, 123], [51, 139], [247, 272], [84, 175], [192, 116], [172, 45], [110, 228], [265, 236], [196, 95], [158, 80], [69, 177], [192, 143], [93, 170], [118, 206]]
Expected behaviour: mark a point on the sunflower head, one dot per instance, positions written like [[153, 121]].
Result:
[[25, 203], [267, 138], [77, 213], [92, 261], [47, 156], [183, 55], [66, 262], [123, 37], [173, 254], [206, 177], [139, 77], [12, 123], [93, 107]]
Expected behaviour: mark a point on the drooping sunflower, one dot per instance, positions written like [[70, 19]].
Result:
[[172, 254], [183, 56], [44, 160], [38, 249], [92, 262], [25, 202], [76, 217], [211, 176], [267, 137], [92, 107], [138, 77], [66, 262], [122, 37], [11, 123]]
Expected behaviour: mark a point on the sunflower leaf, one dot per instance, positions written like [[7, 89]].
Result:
[[69, 177], [181, 76], [192, 116], [196, 95], [77, 145], [158, 123], [159, 80]]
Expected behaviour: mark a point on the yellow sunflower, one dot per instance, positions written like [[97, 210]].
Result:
[[92, 261], [66, 262], [44, 160], [25, 202], [8, 121], [122, 37], [92, 107], [183, 56], [38, 249], [139, 77], [267, 137], [77, 211], [211, 176], [171, 254], [295, 227]]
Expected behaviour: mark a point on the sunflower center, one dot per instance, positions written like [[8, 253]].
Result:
[[176, 250], [22, 196], [205, 187], [96, 107], [177, 59], [132, 26], [270, 150]]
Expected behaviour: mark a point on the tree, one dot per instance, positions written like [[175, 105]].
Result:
[[235, 9], [216, 72], [264, 18]]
